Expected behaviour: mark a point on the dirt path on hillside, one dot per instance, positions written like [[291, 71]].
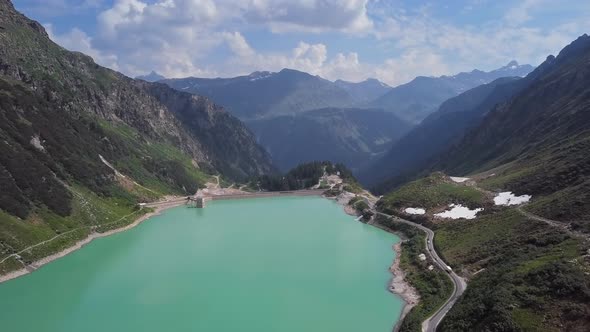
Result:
[[563, 225]]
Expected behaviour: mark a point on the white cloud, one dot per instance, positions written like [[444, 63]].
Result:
[[238, 44], [309, 15], [78, 40], [447, 48], [179, 38], [520, 13]]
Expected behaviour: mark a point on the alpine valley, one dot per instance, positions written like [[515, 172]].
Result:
[[473, 189]]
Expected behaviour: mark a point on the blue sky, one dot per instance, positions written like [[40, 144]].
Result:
[[392, 40]]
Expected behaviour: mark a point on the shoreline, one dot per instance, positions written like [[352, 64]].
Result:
[[397, 284], [80, 244], [159, 207]]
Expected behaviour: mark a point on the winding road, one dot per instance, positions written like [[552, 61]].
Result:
[[459, 284]]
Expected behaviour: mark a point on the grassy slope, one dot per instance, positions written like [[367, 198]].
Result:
[[531, 275], [556, 177], [181, 176], [431, 192]]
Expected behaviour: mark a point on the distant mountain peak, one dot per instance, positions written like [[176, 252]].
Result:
[[260, 75], [512, 64], [376, 81], [151, 77]]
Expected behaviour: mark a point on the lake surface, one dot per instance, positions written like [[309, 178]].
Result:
[[270, 264]]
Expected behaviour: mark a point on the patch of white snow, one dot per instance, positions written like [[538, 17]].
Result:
[[508, 198], [459, 211], [415, 211], [458, 179]]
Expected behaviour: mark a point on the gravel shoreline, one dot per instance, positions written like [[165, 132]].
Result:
[[78, 245], [401, 287]]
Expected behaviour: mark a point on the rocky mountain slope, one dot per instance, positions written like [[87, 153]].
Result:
[[67, 124], [415, 100], [354, 137]]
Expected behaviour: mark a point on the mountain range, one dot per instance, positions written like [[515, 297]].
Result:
[[365, 91], [418, 98], [265, 94], [437, 133], [297, 102], [288, 92]]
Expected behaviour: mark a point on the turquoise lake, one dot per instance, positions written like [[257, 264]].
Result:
[[269, 264]]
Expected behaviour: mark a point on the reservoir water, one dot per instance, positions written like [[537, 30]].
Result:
[[271, 264]]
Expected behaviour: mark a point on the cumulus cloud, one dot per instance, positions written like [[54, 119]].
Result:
[[179, 38], [447, 48]]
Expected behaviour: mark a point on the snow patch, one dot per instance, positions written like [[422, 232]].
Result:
[[459, 211], [415, 211], [458, 179], [508, 198], [260, 77]]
